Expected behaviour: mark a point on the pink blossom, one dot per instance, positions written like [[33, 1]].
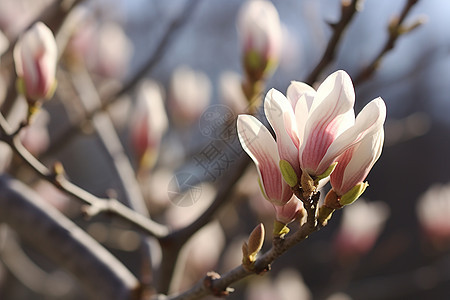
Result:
[[149, 120], [35, 56], [355, 163], [260, 34], [360, 227], [261, 147], [290, 211]]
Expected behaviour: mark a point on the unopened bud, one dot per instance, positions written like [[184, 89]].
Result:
[[251, 248]]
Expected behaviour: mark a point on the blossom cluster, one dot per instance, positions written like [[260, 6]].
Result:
[[317, 137]]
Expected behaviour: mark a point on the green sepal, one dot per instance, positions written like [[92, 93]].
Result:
[[20, 86], [325, 174], [324, 214], [52, 90], [280, 229], [288, 173], [353, 194]]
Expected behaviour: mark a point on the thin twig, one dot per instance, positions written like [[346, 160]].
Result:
[[220, 286], [74, 128], [54, 235], [57, 179], [348, 11], [396, 29]]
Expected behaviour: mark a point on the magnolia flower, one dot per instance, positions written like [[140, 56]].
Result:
[[149, 122], [260, 36], [290, 211], [360, 227], [314, 127], [261, 147], [190, 93], [35, 56]]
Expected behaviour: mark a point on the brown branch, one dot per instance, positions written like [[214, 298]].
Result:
[[348, 11], [55, 236], [56, 177], [396, 28], [219, 285], [172, 243], [74, 128]]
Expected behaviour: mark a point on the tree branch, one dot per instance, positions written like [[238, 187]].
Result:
[[219, 285], [396, 28], [56, 177], [348, 11], [167, 37], [50, 232]]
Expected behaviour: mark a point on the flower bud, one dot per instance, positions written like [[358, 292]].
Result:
[[260, 35], [149, 123], [35, 56], [252, 247]]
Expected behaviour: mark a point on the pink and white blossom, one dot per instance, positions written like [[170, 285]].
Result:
[[259, 144], [35, 56], [356, 162], [260, 35], [287, 213], [149, 121], [189, 95], [360, 227]]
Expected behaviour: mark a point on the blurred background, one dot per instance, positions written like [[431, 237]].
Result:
[[393, 244]]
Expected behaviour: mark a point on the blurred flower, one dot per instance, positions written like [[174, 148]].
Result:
[[230, 84], [35, 56], [288, 284], [111, 52], [260, 37], [360, 227], [4, 43], [35, 136], [102, 46], [149, 122], [190, 93], [259, 144], [433, 211]]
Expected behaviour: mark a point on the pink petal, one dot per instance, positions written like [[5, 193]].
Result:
[[369, 121], [297, 89], [331, 114], [281, 117], [259, 144]]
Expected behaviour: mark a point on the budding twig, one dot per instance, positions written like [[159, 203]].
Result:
[[396, 28], [57, 179], [348, 11]]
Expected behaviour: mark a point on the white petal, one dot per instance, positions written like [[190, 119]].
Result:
[[331, 114], [336, 92], [281, 117], [296, 89], [259, 144], [369, 120], [302, 113]]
